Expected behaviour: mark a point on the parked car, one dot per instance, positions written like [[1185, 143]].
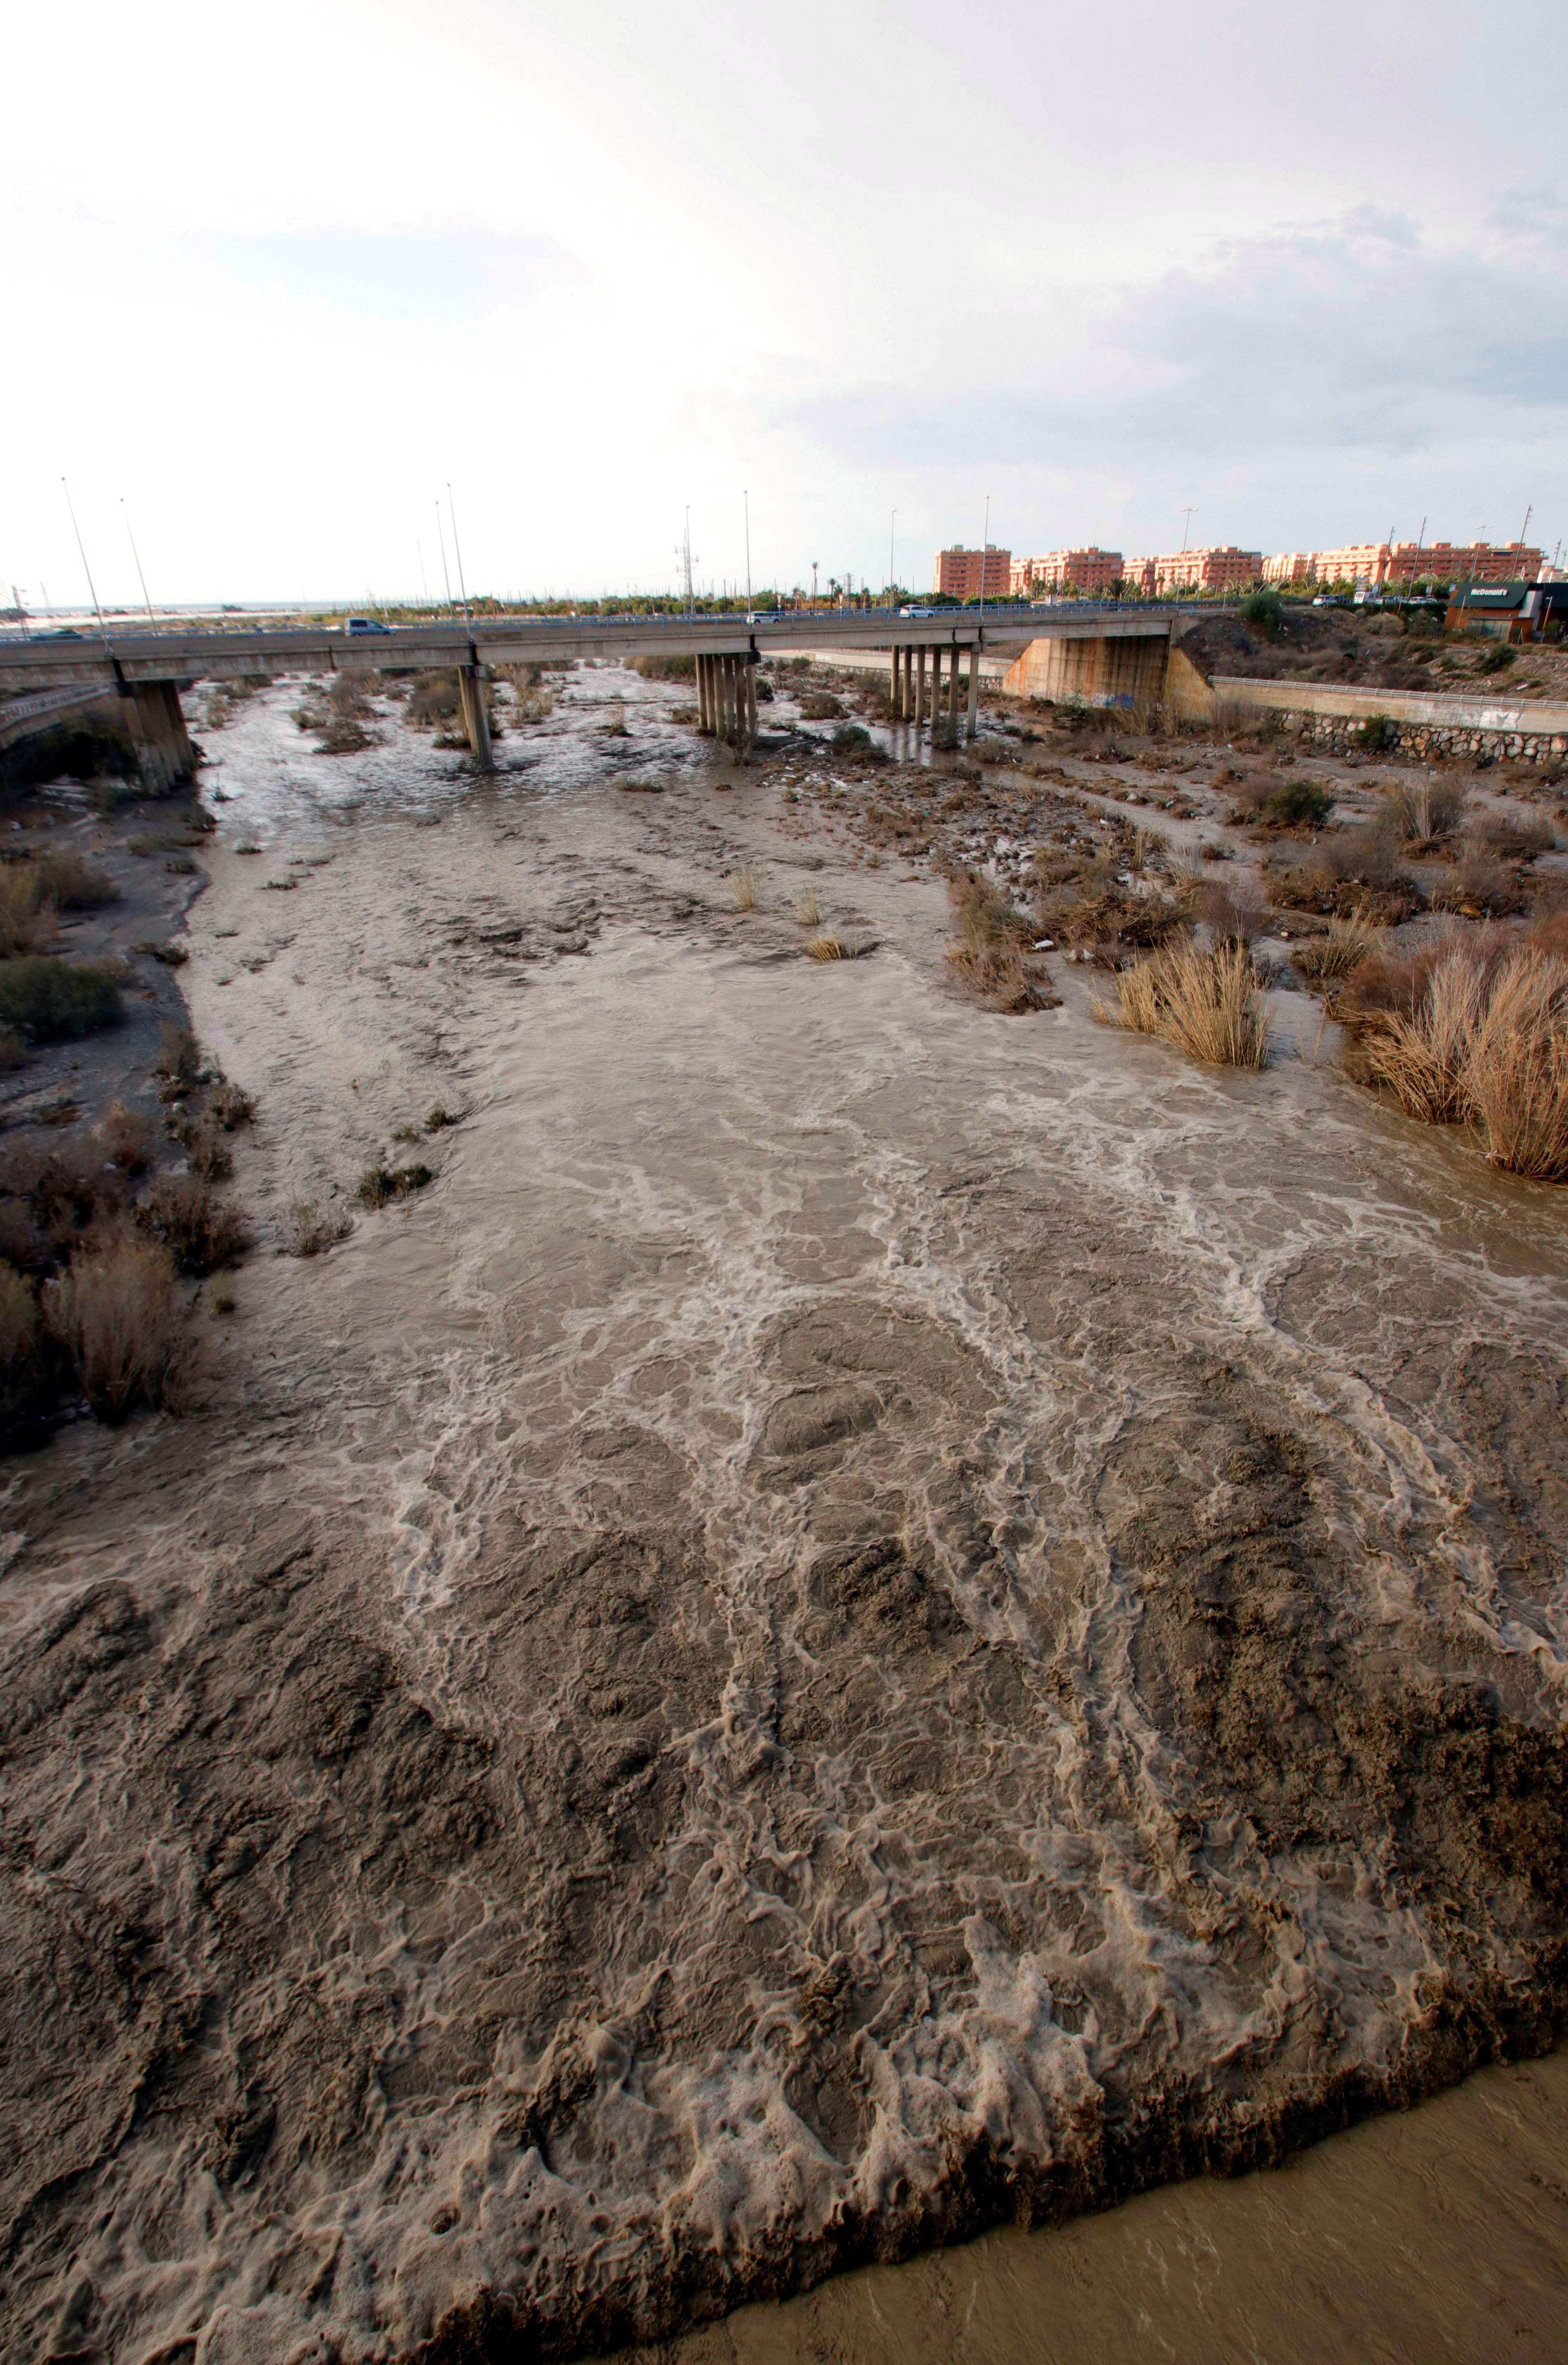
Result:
[[364, 624]]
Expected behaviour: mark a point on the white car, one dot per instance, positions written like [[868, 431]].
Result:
[[917, 611]]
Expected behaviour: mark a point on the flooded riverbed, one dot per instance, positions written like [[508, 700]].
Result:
[[865, 1615]]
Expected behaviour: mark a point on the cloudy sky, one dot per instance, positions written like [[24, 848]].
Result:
[[273, 277]]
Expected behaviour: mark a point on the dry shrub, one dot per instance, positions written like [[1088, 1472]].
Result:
[[745, 888], [992, 954], [827, 948], [68, 881], [1473, 1029], [819, 706], [671, 668], [1479, 888], [1423, 813], [1516, 1074], [1327, 959], [118, 1314], [26, 924], [178, 1056], [22, 1379], [312, 1229], [128, 1139], [200, 1230], [1207, 1004], [1232, 915], [433, 699], [808, 913], [1511, 836]]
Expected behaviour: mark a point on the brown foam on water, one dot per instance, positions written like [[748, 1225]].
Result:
[[869, 1616]]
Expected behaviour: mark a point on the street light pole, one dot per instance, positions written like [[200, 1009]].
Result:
[[445, 578], [457, 547], [137, 555], [747, 499], [86, 568], [893, 572]]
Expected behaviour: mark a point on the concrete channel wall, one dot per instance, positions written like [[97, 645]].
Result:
[[1405, 722]]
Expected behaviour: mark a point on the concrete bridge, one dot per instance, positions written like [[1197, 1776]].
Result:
[[1077, 651]]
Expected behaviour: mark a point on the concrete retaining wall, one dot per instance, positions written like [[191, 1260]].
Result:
[[1407, 723]]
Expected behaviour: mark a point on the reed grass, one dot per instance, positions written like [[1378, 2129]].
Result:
[[808, 913], [745, 888], [1484, 1042], [118, 1314], [1327, 959], [1207, 1004]]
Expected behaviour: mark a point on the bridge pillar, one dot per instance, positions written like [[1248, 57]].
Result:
[[906, 687], [974, 689], [163, 748], [704, 694], [935, 693], [893, 686], [919, 715], [750, 703], [475, 714]]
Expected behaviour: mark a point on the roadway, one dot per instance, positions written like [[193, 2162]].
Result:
[[118, 659]]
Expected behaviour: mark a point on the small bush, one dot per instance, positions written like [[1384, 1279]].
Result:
[[200, 1230], [819, 706], [1479, 888], [26, 922], [745, 888], [178, 1056], [653, 668], [1496, 660], [1231, 917], [440, 1118], [378, 1184], [71, 883], [433, 700], [1207, 1004], [1264, 610], [49, 1001], [828, 948], [1423, 813], [808, 913], [1328, 960], [312, 1229], [1299, 804], [128, 1140], [118, 1317], [1377, 736], [230, 1107]]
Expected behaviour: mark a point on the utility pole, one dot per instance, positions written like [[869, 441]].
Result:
[[86, 568], [1523, 530], [813, 587], [892, 576], [137, 555], [686, 551], [22, 614], [457, 549]]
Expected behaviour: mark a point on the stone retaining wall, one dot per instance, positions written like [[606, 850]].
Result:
[[1399, 722]]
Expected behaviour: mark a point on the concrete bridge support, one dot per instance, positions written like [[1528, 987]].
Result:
[[1124, 668], [475, 704], [918, 717], [705, 717], [974, 690], [162, 744]]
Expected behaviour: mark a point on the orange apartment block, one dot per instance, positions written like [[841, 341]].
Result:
[[1463, 562], [1290, 566], [1091, 570], [958, 574], [1217, 568]]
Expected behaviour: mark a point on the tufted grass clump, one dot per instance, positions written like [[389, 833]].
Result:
[[1208, 1005]]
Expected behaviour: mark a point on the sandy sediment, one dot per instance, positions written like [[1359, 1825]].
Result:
[[866, 1618]]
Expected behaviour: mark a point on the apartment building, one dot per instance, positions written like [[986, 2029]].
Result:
[[1463, 562], [1288, 566], [963, 573], [1093, 571], [1215, 567], [1375, 563]]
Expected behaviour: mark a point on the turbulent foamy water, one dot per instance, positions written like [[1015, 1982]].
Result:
[[865, 1616]]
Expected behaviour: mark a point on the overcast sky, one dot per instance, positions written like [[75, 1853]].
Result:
[[275, 275]]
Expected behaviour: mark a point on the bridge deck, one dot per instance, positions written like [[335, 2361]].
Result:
[[116, 658]]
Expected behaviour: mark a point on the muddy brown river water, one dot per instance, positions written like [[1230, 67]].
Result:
[[865, 1618]]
